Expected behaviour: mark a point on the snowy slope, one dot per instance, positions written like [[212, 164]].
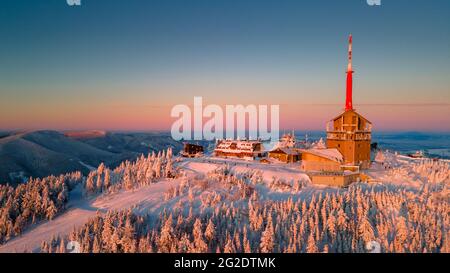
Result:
[[146, 199], [81, 210], [278, 182]]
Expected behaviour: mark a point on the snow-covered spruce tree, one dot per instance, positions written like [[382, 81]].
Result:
[[267, 239], [35, 200], [210, 232], [199, 242], [130, 175], [400, 219], [166, 240]]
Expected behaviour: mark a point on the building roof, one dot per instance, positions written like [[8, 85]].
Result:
[[240, 146], [332, 153], [351, 112], [192, 144], [287, 151]]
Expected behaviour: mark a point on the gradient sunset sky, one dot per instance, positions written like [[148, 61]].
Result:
[[122, 65]]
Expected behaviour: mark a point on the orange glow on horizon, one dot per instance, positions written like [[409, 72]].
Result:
[[114, 116]]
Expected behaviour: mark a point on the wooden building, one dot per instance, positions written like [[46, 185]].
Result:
[[247, 149], [350, 133], [347, 147], [325, 160], [286, 155], [336, 179], [192, 150]]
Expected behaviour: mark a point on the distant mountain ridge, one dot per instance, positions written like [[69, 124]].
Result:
[[43, 153], [85, 134]]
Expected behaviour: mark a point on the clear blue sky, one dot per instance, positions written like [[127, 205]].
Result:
[[118, 64]]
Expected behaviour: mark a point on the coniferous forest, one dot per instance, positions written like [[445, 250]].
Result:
[[226, 211]]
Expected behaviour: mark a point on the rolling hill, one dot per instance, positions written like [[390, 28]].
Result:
[[43, 153]]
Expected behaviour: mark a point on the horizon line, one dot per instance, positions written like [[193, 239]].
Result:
[[17, 131]]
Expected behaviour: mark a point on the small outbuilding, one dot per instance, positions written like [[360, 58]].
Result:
[[336, 179], [192, 150], [286, 155], [326, 160], [246, 149]]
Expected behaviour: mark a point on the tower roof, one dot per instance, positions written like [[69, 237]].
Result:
[[351, 112]]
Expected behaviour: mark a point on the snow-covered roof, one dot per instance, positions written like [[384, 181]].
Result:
[[285, 150], [240, 145], [319, 144], [332, 153]]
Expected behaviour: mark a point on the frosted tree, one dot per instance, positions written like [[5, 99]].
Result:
[[210, 231], [107, 232], [96, 248], [128, 179], [401, 235], [365, 230], [107, 179], [165, 240], [191, 194], [229, 245], [157, 166], [100, 172], [51, 211], [199, 243], [144, 245], [169, 153], [311, 246], [62, 246], [246, 242], [99, 183], [128, 241], [185, 245], [380, 158], [168, 172], [267, 238], [90, 185]]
